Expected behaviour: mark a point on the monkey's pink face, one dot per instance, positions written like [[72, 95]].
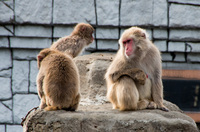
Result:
[[128, 46]]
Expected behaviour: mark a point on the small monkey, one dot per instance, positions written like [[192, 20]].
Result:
[[127, 92], [57, 81], [76, 41]]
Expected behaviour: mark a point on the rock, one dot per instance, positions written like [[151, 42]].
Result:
[[103, 118], [92, 69], [95, 113]]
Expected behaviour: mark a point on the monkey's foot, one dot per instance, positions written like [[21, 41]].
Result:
[[115, 107], [163, 108], [151, 105]]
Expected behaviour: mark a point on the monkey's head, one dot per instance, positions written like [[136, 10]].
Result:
[[42, 55], [133, 42], [85, 31]]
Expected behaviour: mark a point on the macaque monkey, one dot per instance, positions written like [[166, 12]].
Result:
[[134, 77], [57, 81], [76, 41]]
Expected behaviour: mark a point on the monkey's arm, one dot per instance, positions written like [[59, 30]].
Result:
[[135, 73], [40, 79]]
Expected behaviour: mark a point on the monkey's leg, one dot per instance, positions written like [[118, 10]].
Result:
[[127, 94], [157, 94], [43, 103], [75, 103], [142, 104], [111, 95], [152, 105]]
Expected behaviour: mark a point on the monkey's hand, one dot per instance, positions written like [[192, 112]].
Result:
[[137, 75]]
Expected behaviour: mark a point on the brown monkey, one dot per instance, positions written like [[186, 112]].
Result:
[[125, 92], [76, 41], [57, 81]]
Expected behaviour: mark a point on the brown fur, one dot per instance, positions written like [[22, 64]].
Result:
[[57, 81], [78, 39], [127, 93]]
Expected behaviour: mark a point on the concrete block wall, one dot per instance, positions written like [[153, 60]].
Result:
[[28, 26]]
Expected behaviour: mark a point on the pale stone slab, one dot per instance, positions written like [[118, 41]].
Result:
[[5, 114], [184, 15], [5, 57], [73, 11], [161, 44], [14, 128], [6, 13], [37, 11], [33, 74], [107, 12], [25, 54], [22, 104], [176, 46], [33, 31], [38, 43], [5, 88], [107, 33], [20, 76]]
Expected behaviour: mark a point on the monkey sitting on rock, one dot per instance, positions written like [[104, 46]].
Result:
[[76, 41], [57, 81], [134, 76]]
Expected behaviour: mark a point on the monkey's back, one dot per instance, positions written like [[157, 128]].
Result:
[[61, 82], [72, 45]]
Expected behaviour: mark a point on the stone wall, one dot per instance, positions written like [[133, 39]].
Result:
[[27, 26]]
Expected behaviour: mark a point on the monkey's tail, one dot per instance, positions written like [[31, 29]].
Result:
[[51, 108]]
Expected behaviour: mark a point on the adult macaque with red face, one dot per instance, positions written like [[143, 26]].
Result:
[[134, 77]]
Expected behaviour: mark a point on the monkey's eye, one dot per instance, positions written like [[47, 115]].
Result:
[[128, 41]]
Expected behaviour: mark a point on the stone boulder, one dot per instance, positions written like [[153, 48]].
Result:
[[92, 69], [95, 113]]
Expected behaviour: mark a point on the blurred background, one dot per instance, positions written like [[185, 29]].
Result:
[[27, 26]]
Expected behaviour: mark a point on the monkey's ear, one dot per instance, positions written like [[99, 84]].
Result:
[[40, 57], [139, 47], [83, 29], [143, 35]]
